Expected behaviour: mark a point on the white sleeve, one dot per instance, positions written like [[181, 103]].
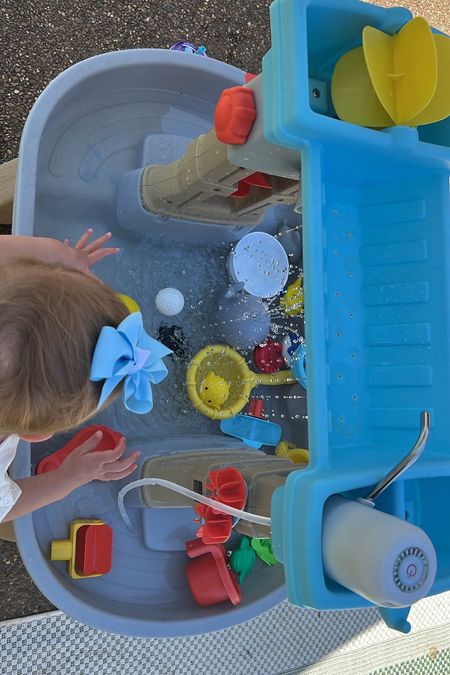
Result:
[[9, 490]]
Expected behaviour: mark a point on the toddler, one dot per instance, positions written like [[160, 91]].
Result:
[[54, 315]]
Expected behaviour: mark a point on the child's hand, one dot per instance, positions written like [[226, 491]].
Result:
[[84, 255], [84, 464], [81, 257]]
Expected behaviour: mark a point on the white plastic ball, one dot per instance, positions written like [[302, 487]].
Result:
[[169, 301]]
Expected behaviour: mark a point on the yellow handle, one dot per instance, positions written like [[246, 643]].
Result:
[[131, 305], [281, 377], [292, 452], [61, 549]]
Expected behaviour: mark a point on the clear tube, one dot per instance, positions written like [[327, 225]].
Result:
[[218, 506]]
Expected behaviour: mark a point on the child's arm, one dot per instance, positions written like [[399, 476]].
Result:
[[82, 256], [82, 466]]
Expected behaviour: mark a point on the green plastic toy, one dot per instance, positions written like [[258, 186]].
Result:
[[242, 559], [263, 549]]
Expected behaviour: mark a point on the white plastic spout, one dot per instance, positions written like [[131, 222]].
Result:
[[217, 506]]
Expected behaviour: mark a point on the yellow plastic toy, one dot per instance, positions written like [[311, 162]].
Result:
[[394, 79], [290, 451], [129, 303], [88, 549], [222, 365], [214, 390], [292, 301]]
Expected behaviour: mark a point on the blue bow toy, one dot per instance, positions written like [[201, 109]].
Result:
[[129, 353]]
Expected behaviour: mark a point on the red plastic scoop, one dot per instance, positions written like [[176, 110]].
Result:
[[93, 550], [108, 441]]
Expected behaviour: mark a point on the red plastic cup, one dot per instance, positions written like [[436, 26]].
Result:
[[209, 576]]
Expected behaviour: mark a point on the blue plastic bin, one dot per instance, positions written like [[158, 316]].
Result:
[[376, 244], [98, 120]]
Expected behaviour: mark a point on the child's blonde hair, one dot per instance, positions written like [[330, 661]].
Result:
[[50, 320]]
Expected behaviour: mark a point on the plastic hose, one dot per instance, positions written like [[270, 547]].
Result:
[[217, 506]]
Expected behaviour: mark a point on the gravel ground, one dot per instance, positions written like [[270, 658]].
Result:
[[41, 38], [53, 35]]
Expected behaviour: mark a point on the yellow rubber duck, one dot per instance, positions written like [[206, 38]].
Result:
[[214, 390], [292, 301], [290, 451]]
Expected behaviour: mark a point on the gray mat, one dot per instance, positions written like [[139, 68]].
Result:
[[284, 640]]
